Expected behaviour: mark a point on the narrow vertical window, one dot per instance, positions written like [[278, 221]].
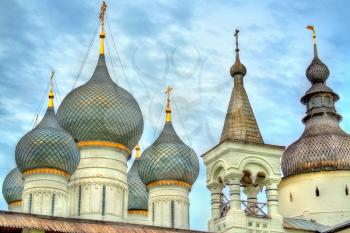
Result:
[[290, 197], [123, 204], [79, 199], [153, 211], [346, 190], [53, 200], [317, 192], [172, 214], [30, 202], [103, 199]]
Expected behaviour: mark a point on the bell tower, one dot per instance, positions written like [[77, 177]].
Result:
[[242, 162]]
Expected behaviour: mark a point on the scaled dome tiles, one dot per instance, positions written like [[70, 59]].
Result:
[[48, 145], [138, 195], [12, 188], [100, 110], [168, 158], [324, 145]]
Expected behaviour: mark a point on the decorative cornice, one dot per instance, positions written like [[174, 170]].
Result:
[[14, 204], [46, 171], [138, 212], [169, 182], [104, 143]]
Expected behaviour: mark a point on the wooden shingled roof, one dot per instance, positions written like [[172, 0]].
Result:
[[10, 221]]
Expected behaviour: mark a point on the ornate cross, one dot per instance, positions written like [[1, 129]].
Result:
[[103, 13], [168, 92], [236, 35]]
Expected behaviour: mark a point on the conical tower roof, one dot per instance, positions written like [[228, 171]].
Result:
[[240, 123]]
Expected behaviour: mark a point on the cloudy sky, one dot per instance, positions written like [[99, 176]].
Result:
[[186, 44]]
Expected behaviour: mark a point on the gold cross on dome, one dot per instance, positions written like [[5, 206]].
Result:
[[168, 91], [103, 13]]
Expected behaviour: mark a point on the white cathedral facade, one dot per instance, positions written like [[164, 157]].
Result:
[[73, 164]]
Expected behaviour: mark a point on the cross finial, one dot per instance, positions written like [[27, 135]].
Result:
[[236, 35], [102, 34], [168, 109], [237, 49], [103, 13], [310, 27]]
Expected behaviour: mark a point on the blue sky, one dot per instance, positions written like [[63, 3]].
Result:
[[186, 44]]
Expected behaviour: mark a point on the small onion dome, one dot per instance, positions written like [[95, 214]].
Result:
[[317, 71], [48, 145], [138, 195], [238, 68], [12, 188], [168, 158], [100, 110]]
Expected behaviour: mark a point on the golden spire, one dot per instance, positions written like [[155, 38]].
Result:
[[51, 93], [137, 150], [102, 34], [310, 27], [168, 109]]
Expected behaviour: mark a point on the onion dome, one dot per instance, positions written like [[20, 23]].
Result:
[[168, 159], [138, 195], [237, 68], [12, 187], [100, 112], [48, 147], [323, 145]]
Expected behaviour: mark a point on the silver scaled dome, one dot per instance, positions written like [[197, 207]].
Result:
[[138, 195], [168, 158], [48, 145], [100, 110], [323, 145], [12, 187]]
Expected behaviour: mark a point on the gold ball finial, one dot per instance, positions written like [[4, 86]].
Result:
[[137, 152], [51, 93]]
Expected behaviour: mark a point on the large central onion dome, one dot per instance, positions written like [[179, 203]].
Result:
[[168, 158], [138, 195], [324, 145], [48, 145], [12, 188], [100, 110]]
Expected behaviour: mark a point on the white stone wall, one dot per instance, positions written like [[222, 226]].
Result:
[[138, 219], [98, 167], [159, 204], [42, 187], [297, 196]]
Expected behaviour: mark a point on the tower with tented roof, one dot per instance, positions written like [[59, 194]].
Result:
[[242, 162], [316, 167]]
